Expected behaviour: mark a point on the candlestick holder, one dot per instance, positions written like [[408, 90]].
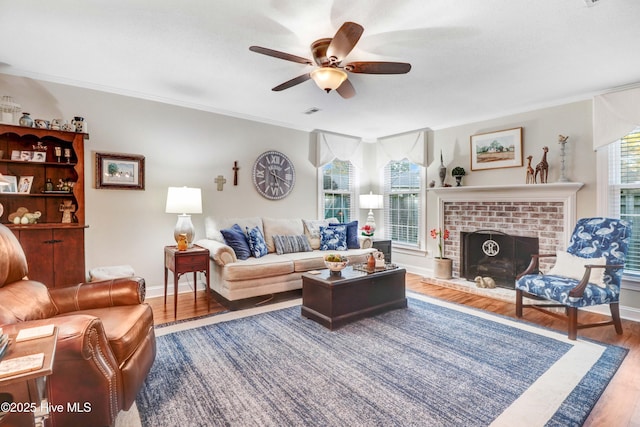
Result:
[[562, 140]]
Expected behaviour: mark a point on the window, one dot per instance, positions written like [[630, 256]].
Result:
[[338, 190], [402, 202], [624, 191]]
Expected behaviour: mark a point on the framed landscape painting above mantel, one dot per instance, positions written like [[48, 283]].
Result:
[[119, 171], [494, 150]]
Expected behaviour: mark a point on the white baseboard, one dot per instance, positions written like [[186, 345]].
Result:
[[184, 285]]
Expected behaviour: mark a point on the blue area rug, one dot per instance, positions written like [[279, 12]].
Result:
[[434, 363]]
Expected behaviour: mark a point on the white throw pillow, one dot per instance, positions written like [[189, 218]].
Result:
[[568, 265]]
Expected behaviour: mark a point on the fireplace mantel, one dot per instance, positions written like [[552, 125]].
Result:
[[564, 193], [558, 191]]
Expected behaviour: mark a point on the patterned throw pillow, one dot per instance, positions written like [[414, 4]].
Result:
[[290, 244], [352, 234], [257, 244], [236, 238], [333, 238]]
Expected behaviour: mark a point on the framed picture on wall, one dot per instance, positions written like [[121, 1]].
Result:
[[494, 150], [119, 171]]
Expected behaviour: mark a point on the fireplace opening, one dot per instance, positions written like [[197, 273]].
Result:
[[495, 254]]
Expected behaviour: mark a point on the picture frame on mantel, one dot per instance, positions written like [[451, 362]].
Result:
[[496, 150], [119, 171]]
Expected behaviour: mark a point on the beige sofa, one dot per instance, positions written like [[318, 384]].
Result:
[[234, 279]]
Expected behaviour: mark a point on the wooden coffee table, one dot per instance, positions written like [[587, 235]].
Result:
[[335, 300]]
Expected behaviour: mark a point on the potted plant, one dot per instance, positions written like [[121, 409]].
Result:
[[458, 172], [442, 267]]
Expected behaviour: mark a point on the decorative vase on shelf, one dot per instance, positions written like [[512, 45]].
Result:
[[26, 120], [80, 124], [443, 268], [442, 171]]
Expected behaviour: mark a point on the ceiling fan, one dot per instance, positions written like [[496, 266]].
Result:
[[328, 53]]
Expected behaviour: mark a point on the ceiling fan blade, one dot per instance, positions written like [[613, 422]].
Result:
[[368, 67], [292, 82], [281, 55], [344, 41], [346, 89]]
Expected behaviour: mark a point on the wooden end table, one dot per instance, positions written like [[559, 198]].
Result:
[[193, 260], [29, 389]]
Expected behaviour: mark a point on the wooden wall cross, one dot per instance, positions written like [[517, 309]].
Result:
[[235, 173], [220, 181]]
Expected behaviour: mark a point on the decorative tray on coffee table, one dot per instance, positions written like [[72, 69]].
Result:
[[366, 269]]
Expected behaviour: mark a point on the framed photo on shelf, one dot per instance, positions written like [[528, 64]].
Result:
[[494, 150], [39, 156], [119, 171], [24, 184], [13, 184], [26, 156], [15, 154]]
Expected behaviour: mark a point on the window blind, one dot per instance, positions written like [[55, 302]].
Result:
[[338, 190], [624, 191], [402, 202]]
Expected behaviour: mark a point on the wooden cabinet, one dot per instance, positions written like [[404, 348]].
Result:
[[55, 255], [54, 250]]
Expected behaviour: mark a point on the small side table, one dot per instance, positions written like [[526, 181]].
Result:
[[195, 259], [384, 246], [29, 388]]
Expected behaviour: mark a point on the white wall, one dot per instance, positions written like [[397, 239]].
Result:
[[181, 147]]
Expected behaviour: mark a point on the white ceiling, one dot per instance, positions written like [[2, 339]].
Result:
[[471, 60]]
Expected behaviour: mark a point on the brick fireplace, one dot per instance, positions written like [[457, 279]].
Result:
[[543, 211]]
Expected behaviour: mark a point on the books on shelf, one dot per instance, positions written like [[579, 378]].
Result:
[[36, 332], [20, 365]]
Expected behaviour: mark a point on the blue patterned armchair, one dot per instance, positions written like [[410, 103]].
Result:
[[588, 274]]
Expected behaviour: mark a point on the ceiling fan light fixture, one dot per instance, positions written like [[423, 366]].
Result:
[[328, 78]]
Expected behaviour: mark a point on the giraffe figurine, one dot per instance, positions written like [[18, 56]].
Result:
[[542, 167], [530, 179]]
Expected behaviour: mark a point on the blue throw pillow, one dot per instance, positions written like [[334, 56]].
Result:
[[352, 234], [333, 238], [257, 244], [236, 238]]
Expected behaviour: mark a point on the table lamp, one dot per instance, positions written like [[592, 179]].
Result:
[[184, 201], [371, 201]]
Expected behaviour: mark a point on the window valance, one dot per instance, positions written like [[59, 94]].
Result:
[[409, 145], [333, 146], [615, 115]]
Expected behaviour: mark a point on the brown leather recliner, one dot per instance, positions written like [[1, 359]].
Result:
[[106, 343]]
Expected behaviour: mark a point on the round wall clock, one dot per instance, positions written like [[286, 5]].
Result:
[[273, 175]]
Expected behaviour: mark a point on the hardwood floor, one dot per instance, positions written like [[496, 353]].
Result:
[[619, 404]]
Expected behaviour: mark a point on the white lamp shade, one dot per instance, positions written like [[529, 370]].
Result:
[[328, 78], [371, 201], [184, 200]]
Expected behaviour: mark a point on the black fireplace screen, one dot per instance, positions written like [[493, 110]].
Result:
[[495, 254]]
